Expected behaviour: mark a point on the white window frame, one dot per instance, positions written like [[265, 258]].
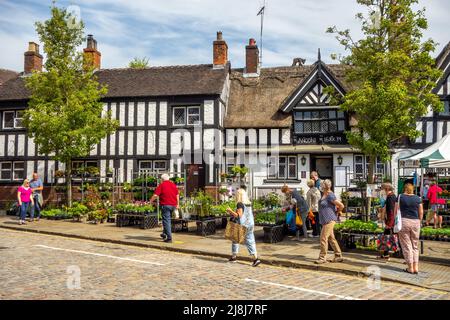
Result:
[[9, 170], [272, 163], [187, 116], [3, 120], [16, 117], [145, 161], [153, 166], [159, 169], [365, 166], [173, 116], [275, 162], [14, 170]]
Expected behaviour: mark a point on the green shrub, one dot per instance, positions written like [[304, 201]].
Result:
[[78, 210]]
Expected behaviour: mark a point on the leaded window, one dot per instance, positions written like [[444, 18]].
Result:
[[319, 121], [179, 116], [282, 167], [186, 116]]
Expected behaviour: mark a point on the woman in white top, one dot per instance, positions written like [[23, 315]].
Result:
[[313, 198], [244, 216]]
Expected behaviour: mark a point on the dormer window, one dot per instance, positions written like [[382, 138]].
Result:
[[319, 121]]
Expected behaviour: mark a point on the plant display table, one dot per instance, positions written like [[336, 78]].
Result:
[[144, 221], [206, 227], [179, 225], [274, 233]]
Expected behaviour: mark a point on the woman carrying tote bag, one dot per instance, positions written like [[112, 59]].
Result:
[[411, 210], [244, 216]]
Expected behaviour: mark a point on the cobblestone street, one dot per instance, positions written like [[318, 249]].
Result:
[[36, 266]]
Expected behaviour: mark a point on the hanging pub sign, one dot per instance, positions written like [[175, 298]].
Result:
[[409, 163], [336, 138]]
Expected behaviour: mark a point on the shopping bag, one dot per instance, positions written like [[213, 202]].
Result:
[[298, 220], [388, 242], [398, 218], [311, 217], [235, 232]]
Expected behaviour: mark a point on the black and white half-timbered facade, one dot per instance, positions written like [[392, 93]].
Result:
[[434, 125], [281, 123], [204, 119], [170, 120]]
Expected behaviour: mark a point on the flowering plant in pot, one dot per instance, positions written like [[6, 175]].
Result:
[[59, 174]]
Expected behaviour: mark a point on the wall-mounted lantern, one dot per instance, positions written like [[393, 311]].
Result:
[[303, 159]]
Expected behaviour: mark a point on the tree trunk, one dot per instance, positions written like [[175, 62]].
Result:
[[69, 182], [370, 180]]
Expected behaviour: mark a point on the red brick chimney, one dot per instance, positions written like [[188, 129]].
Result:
[[92, 56], [33, 59], [252, 58], [220, 51]]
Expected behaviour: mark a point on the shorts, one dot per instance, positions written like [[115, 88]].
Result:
[[435, 207], [430, 215]]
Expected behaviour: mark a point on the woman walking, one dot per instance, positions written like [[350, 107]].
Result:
[[244, 216], [411, 210], [25, 199], [327, 218], [313, 198], [388, 216]]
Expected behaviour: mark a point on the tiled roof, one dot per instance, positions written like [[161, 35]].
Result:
[[6, 75], [148, 82]]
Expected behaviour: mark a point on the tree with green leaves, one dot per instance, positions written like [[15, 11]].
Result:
[[392, 75], [65, 116], [139, 63]]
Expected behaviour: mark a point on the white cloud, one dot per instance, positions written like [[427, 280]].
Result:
[[181, 32]]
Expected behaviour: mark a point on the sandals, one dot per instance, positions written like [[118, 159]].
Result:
[[407, 271]]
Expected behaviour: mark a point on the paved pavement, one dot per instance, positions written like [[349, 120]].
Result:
[[289, 253], [37, 266]]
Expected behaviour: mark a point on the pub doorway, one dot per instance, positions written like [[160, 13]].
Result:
[[323, 164], [195, 178]]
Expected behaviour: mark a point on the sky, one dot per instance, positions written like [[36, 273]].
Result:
[[180, 32]]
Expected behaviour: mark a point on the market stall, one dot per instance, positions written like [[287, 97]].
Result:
[[433, 161]]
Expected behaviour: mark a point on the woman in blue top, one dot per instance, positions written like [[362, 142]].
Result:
[[327, 218], [244, 216]]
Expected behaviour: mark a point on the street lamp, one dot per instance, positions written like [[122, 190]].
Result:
[[339, 159]]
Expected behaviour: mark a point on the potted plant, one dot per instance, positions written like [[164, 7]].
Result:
[[78, 172], [127, 187], [223, 190], [59, 174], [223, 176], [92, 172]]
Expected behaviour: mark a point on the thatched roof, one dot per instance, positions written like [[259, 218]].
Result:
[[255, 102]]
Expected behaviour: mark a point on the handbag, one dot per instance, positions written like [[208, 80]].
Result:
[[388, 242], [235, 232], [398, 218]]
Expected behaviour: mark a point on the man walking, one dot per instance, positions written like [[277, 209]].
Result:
[[169, 200], [315, 177], [301, 205], [36, 187]]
